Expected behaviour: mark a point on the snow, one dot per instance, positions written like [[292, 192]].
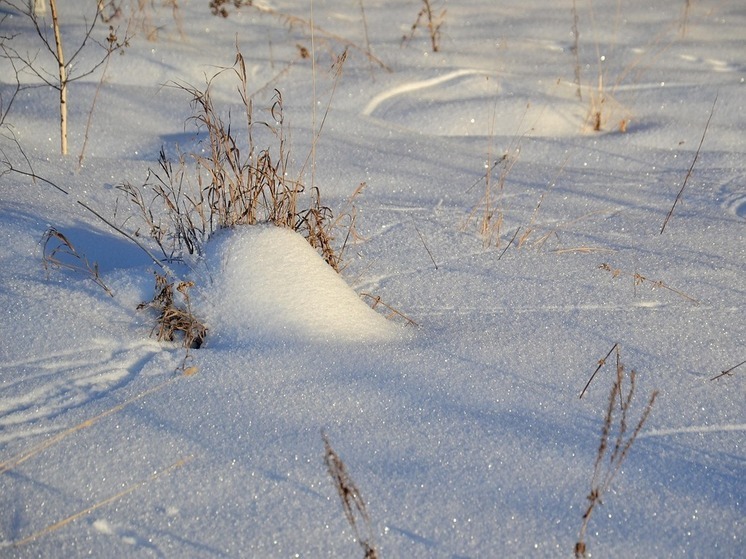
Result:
[[464, 434], [268, 282]]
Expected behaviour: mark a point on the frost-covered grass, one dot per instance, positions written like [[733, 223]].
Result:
[[522, 243]]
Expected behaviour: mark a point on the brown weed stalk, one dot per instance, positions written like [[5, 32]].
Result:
[[691, 167], [392, 313], [615, 443], [639, 279], [427, 17], [318, 34], [352, 502], [728, 372], [488, 212]]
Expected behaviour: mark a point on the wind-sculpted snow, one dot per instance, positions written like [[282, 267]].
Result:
[[268, 282], [470, 102], [464, 435]]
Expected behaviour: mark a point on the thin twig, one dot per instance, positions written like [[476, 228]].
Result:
[[128, 236], [601, 363], [430, 254], [377, 301], [727, 372], [639, 279], [60, 524], [691, 167], [510, 242], [61, 245]]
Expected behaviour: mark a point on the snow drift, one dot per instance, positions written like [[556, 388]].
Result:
[[268, 282]]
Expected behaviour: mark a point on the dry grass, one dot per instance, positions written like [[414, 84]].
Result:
[[321, 37], [605, 111], [691, 167], [488, 213], [59, 252], [728, 372], [638, 279], [375, 302], [47, 442], [232, 182], [352, 501], [235, 182], [116, 497], [684, 22], [430, 19], [175, 318], [615, 442]]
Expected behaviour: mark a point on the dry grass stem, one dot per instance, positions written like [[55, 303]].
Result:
[[68, 68], [615, 441], [691, 167], [376, 301], [112, 44], [424, 244], [601, 363], [488, 212], [31, 174], [576, 50], [604, 110], [319, 34], [639, 279], [728, 372], [352, 502], [685, 17], [21, 457], [526, 238], [85, 512], [59, 252], [432, 21], [530, 228], [582, 250]]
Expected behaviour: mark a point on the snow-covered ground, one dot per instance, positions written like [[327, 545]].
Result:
[[465, 434]]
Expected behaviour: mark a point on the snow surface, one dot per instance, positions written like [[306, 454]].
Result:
[[268, 282], [465, 434]]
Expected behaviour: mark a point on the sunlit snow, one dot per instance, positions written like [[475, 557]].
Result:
[[268, 282], [465, 434]]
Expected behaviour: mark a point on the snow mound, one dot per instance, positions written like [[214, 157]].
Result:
[[466, 102], [268, 282]]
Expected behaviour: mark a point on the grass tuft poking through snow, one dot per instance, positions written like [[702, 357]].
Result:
[[615, 443]]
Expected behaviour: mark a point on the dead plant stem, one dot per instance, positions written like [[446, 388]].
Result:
[[691, 167]]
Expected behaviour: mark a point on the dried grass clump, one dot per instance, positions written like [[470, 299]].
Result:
[[489, 213], [175, 321], [615, 442], [235, 182], [612, 68]]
